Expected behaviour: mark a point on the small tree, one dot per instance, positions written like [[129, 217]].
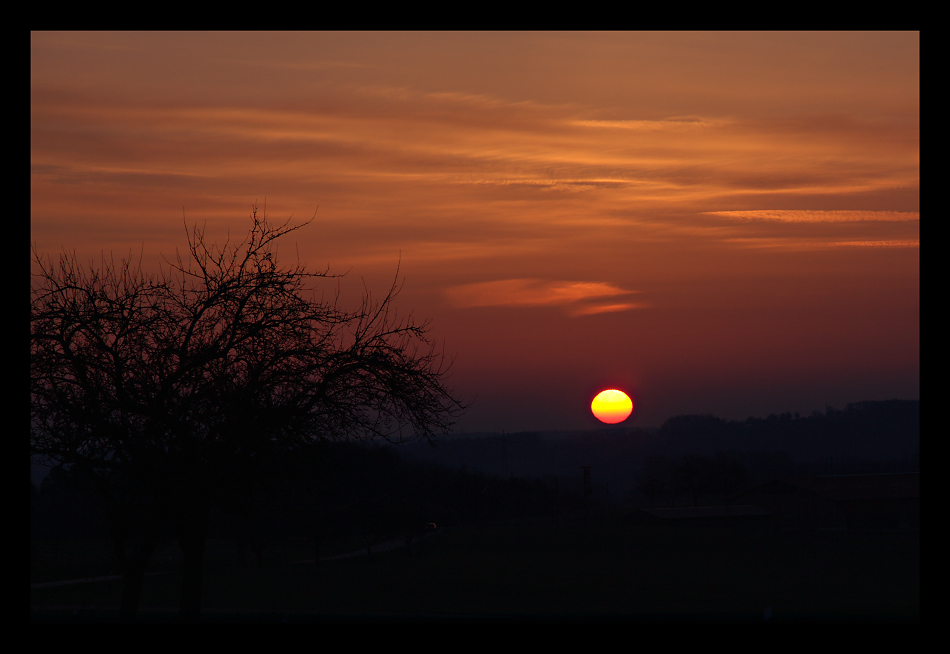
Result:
[[167, 389]]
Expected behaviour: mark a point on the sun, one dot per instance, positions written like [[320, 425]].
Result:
[[612, 406]]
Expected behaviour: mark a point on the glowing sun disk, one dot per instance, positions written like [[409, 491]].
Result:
[[612, 406]]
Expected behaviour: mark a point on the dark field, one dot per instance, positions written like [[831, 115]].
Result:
[[596, 569]]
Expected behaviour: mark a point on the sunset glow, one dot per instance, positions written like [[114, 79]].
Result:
[[728, 223]]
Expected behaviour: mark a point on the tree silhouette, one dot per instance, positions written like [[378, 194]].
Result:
[[166, 389]]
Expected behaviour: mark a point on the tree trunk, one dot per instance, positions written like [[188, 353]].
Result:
[[134, 547], [192, 535], [134, 565]]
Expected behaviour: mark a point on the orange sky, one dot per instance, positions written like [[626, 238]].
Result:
[[719, 223]]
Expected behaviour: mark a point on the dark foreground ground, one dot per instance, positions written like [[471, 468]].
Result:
[[599, 569]]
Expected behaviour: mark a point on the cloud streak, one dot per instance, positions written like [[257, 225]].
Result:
[[815, 244], [578, 298], [799, 216]]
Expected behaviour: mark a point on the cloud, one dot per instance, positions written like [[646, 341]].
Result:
[[579, 298], [799, 216], [651, 125], [908, 243], [606, 308], [815, 244]]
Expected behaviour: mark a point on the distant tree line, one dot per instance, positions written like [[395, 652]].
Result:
[[704, 457]]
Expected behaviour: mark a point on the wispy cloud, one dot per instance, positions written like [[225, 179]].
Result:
[[605, 308], [579, 298], [799, 216], [667, 124], [815, 244], [909, 243]]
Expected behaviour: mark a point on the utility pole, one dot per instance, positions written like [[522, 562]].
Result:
[[588, 490], [669, 471]]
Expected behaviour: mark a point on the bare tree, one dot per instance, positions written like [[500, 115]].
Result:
[[165, 388]]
